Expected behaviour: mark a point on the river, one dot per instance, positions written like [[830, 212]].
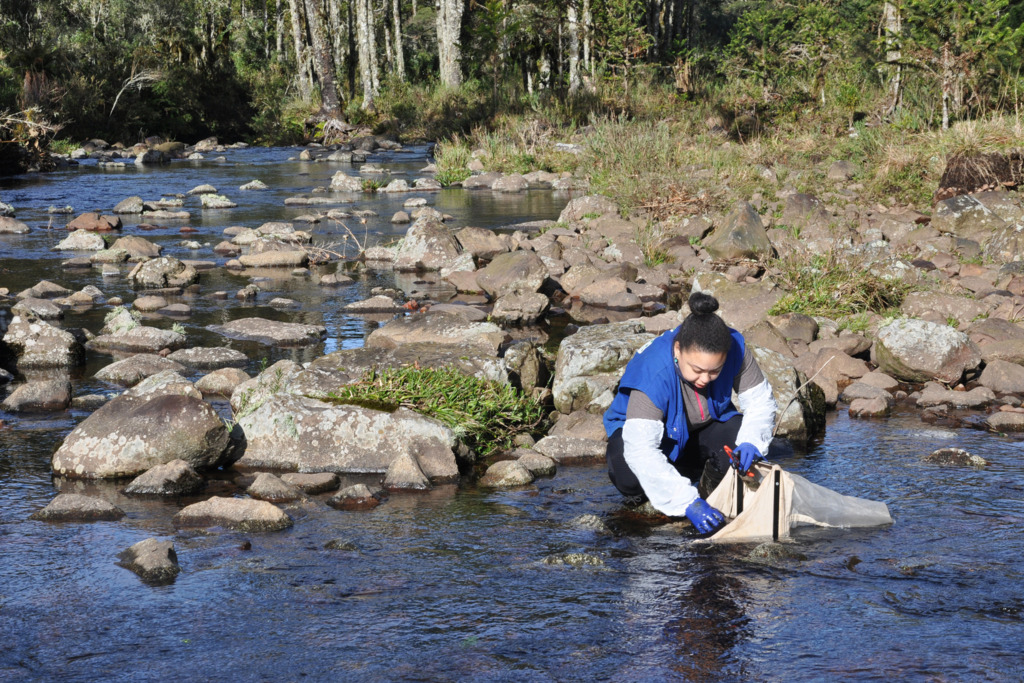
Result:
[[453, 584]]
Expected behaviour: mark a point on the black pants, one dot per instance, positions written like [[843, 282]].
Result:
[[702, 461]]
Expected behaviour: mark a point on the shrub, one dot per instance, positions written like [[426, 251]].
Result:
[[835, 286], [485, 415]]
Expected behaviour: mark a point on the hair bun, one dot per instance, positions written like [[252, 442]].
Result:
[[702, 303]]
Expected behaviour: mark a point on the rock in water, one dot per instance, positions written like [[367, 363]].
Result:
[[176, 478], [162, 272], [270, 488], [539, 465], [210, 358], [304, 434], [506, 473], [271, 331], [918, 351], [357, 497], [955, 456], [571, 449], [131, 371], [72, 507], [38, 344], [154, 561], [319, 482], [240, 514], [404, 474], [133, 433], [41, 396]]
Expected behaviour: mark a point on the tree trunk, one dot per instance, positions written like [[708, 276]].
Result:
[[574, 49], [587, 37], [365, 40], [337, 35], [330, 103], [399, 55], [449, 26], [305, 81], [947, 83], [279, 14], [891, 29], [352, 49]]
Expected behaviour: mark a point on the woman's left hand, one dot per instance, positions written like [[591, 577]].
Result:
[[747, 454]]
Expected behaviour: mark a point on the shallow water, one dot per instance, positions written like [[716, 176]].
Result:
[[453, 584]]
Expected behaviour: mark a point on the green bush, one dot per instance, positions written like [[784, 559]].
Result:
[[485, 415]]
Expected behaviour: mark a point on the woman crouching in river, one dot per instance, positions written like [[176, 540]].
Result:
[[673, 417]]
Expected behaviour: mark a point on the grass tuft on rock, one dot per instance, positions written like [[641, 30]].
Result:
[[835, 286], [485, 415]]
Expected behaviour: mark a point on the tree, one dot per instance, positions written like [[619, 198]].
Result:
[[449, 50], [950, 39], [330, 102], [366, 40]]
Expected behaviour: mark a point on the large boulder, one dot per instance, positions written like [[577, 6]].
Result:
[[590, 364], [741, 305], [175, 478], [517, 271], [520, 308], [240, 514], [801, 416], [138, 248], [579, 207], [95, 222], [343, 182], [74, 507], [271, 331], [427, 245], [328, 372], [306, 435], [962, 309], [131, 371], [40, 396], [741, 235], [42, 309], [918, 351], [139, 339], [967, 218], [1003, 377], [38, 344], [442, 329], [130, 205], [250, 395], [210, 358], [81, 240], [163, 272], [137, 431], [481, 243], [12, 226]]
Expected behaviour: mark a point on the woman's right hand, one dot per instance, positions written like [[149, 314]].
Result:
[[706, 519]]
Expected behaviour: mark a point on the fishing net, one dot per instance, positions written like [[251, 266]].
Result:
[[772, 502]]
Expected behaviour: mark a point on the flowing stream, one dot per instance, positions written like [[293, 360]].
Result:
[[458, 583]]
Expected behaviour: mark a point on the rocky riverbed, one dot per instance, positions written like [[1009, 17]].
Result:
[[108, 330]]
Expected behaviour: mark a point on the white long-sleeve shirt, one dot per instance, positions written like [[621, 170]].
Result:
[[669, 491]]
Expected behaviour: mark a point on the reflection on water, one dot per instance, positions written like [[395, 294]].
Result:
[[452, 584]]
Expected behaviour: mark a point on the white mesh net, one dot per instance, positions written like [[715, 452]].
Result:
[[775, 501]]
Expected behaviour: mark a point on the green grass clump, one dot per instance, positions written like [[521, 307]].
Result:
[[485, 415], [834, 286], [452, 159]]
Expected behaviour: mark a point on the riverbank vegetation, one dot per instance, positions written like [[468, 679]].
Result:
[[642, 92], [487, 416]]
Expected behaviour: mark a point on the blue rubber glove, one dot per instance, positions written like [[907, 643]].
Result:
[[746, 454], [705, 518]]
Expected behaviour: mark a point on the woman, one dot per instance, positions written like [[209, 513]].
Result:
[[673, 417]]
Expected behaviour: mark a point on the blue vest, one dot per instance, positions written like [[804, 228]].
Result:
[[653, 371]]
